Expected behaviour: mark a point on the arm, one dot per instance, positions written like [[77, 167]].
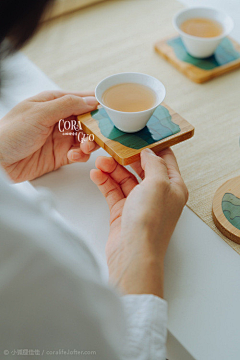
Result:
[[142, 219]]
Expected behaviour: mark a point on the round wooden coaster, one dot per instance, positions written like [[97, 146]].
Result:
[[226, 209]]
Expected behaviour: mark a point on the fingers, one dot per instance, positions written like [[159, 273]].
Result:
[[166, 154], [137, 167], [122, 176], [88, 146], [108, 187], [55, 94], [77, 155], [170, 159], [154, 166], [66, 106], [80, 152], [174, 172], [162, 166]]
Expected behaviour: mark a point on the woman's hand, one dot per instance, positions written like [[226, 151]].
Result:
[[142, 218], [30, 141]]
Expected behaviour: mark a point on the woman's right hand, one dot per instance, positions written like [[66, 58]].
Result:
[[142, 218]]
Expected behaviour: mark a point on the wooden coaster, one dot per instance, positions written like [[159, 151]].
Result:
[[226, 58], [226, 209], [165, 128]]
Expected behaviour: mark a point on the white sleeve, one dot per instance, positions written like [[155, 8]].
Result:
[[146, 317], [52, 298]]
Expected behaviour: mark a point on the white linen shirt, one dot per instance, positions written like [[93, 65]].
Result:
[[53, 300]]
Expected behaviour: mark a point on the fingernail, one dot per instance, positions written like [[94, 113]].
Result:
[[75, 155], [90, 101], [91, 146], [148, 150]]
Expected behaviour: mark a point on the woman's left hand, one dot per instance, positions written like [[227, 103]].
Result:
[[30, 141]]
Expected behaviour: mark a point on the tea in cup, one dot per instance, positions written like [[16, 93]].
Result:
[[130, 99], [202, 29]]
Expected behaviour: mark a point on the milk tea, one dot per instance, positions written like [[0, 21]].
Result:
[[129, 97], [202, 27]]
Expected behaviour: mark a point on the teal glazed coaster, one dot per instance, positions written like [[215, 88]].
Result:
[[231, 209], [224, 54], [226, 209], [165, 128], [226, 58], [159, 126]]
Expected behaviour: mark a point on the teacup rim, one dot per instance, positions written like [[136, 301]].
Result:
[[182, 33], [130, 112]]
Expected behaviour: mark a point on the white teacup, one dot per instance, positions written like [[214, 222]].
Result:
[[130, 121], [200, 47]]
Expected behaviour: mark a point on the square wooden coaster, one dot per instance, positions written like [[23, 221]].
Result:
[[165, 128], [226, 58]]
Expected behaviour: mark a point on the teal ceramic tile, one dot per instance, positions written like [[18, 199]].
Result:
[[224, 54], [231, 209], [159, 126]]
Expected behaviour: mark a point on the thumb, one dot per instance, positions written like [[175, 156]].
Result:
[[154, 166], [66, 106]]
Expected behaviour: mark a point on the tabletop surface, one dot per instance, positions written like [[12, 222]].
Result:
[[201, 270], [80, 49]]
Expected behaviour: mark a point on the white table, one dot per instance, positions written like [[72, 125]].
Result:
[[202, 283]]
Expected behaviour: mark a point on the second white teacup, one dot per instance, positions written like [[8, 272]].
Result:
[[130, 121], [202, 47]]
